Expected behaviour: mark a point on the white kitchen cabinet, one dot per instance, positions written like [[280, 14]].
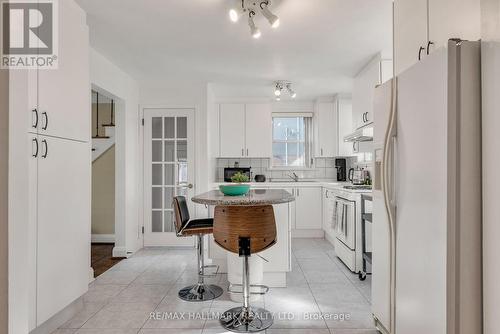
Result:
[[63, 223], [64, 92], [454, 19], [328, 211], [326, 137], [363, 92], [308, 208], [421, 26], [410, 32], [344, 127], [232, 130], [259, 130]]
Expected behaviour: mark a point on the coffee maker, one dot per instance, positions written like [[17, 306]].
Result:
[[341, 165]]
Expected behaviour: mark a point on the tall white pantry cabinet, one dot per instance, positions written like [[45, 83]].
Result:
[[58, 118]]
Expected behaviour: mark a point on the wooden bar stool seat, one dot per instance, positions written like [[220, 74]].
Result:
[[184, 227], [245, 230]]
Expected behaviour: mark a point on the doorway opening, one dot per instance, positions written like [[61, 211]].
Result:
[[103, 182]]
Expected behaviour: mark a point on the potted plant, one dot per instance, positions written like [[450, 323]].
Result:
[[237, 187]]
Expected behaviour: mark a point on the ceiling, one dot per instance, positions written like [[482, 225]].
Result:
[[319, 46]]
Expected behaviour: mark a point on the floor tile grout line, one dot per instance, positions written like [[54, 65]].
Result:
[[350, 281], [314, 297]]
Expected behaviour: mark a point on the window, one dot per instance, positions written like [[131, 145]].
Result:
[[291, 140]]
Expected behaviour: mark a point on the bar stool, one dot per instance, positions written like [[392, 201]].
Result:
[[245, 230], [196, 227]]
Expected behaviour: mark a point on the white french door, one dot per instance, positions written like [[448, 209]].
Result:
[[168, 172]]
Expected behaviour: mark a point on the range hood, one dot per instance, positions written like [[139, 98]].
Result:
[[362, 134]]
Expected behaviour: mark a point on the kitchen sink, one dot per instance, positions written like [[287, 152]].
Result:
[[292, 181]]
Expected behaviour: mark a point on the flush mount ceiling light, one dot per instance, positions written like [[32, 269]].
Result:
[[279, 86], [252, 7]]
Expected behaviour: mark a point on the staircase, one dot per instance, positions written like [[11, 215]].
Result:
[[103, 118]]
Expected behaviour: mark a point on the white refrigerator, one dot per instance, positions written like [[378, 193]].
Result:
[[427, 196]]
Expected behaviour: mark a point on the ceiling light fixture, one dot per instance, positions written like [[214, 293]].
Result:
[[234, 16], [252, 7], [253, 28], [281, 85], [277, 89], [274, 21], [290, 90]]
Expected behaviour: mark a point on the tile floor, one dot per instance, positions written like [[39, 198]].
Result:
[[122, 299]]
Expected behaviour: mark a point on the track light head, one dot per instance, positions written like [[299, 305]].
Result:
[[234, 15], [253, 28], [291, 91], [277, 89], [274, 21]]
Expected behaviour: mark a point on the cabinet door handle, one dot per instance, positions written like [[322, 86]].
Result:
[[298, 193], [242, 152], [321, 152], [247, 152], [46, 147], [326, 194], [429, 43], [34, 140], [420, 52], [46, 123], [35, 111]]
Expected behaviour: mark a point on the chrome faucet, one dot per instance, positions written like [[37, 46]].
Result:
[[294, 177]]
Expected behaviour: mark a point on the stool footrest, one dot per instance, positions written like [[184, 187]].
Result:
[[212, 274], [239, 289]]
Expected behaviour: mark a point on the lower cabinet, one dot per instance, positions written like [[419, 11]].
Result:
[[328, 212], [61, 222], [308, 208]]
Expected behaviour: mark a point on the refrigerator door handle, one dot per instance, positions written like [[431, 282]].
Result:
[[388, 186]]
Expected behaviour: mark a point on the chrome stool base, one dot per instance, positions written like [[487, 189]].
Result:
[[256, 319], [200, 292]]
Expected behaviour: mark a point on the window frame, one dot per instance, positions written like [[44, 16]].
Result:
[[307, 141]]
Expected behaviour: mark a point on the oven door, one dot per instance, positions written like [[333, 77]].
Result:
[[345, 222]]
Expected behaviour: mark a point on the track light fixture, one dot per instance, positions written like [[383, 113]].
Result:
[[252, 7], [290, 90], [279, 86], [253, 28], [274, 21]]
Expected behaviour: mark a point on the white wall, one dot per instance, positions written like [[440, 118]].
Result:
[[118, 84]]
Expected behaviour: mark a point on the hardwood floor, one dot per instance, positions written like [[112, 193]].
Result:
[[102, 258]]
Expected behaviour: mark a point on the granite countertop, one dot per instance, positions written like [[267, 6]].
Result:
[[328, 184], [254, 197]]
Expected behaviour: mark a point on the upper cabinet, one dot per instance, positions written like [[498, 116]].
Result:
[[421, 26], [326, 129], [63, 108], [410, 32], [374, 73], [259, 130], [245, 130], [344, 125]]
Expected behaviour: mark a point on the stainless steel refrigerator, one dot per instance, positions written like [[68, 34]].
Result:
[[427, 196]]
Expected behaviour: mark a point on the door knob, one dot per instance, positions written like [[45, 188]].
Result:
[[190, 186]]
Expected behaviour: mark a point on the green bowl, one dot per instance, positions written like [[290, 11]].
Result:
[[236, 189]]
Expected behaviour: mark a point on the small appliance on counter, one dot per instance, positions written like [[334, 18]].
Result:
[[340, 165], [230, 171], [359, 176], [260, 178]]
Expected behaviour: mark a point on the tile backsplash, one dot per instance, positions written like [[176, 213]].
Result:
[[324, 168]]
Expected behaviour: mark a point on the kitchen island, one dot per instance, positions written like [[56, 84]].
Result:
[[271, 271]]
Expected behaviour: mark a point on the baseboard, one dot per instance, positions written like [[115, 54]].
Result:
[[60, 318], [307, 233], [330, 238], [120, 252], [103, 238]]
